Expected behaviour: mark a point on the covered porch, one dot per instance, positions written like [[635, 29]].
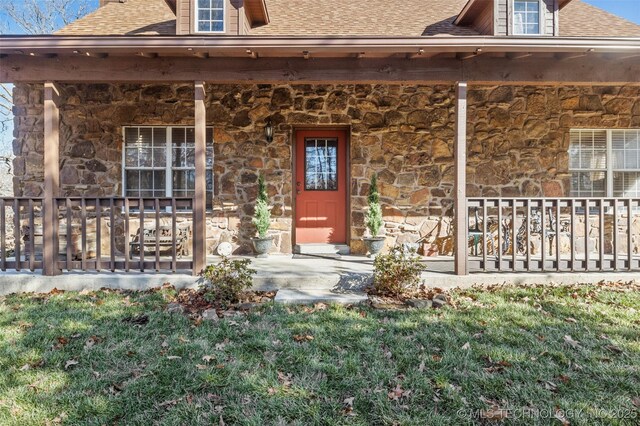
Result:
[[491, 225]]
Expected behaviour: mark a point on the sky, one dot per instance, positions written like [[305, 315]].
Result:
[[628, 9]]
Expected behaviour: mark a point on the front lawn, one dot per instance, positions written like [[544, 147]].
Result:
[[519, 353]]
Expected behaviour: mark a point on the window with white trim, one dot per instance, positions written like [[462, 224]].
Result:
[[526, 17], [160, 162], [605, 163], [209, 16]]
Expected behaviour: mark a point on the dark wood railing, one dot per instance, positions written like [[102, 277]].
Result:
[[18, 217], [99, 234], [559, 234], [116, 233]]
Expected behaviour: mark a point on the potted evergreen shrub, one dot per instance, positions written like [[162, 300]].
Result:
[[373, 219], [262, 221]]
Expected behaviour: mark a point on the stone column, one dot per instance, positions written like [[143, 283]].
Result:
[[51, 179], [460, 183]]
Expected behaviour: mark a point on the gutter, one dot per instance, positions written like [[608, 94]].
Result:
[[184, 45]]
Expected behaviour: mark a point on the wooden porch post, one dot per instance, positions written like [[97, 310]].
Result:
[[200, 203], [51, 179], [460, 184]]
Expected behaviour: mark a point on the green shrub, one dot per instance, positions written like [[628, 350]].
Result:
[[262, 213], [227, 280], [396, 272], [373, 218]]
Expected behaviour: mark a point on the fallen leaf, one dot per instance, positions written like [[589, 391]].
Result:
[[272, 391], [303, 338], [91, 341], [571, 320], [25, 367], [466, 346], [137, 320], [70, 363], [569, 340], [62, 340], [613, 348], [208, 358], [421, 367], [320, 306], [116, 388], [201, 367], [436, 358], [284, 379], [347, 410], [550, 386], [174, 357], [170, 402]]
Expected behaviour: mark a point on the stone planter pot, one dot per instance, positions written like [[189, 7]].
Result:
[[374, 245], [262, 246]]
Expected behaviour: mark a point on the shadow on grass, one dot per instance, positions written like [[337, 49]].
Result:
[[294, 365]]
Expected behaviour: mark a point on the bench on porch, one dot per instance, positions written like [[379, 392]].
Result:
[[162, 239]]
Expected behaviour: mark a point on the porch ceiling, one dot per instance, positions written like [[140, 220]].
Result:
[[290, 59]]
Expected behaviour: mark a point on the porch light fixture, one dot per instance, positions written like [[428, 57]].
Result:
[[268, 131]]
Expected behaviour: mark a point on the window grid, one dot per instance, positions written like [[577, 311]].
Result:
[[526, 17], [605, 163], [321, 164], [175, 174], [210, 16]]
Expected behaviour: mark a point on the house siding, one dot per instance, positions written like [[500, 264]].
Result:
[[518, 138], [185, 17]]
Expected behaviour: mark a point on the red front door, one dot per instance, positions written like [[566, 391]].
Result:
[[321, 187]]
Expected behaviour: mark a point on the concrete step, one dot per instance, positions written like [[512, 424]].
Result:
[[310, 297], [341, 249]]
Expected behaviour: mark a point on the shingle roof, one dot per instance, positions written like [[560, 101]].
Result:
[[133, 17], [408, 18], [579, 19]]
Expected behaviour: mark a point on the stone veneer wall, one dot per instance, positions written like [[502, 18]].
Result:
[[518, 141]]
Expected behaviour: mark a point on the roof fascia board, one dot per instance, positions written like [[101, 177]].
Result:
[[465, 11], [108, 44]]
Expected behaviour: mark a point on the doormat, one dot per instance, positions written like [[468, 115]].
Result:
[[317, 256]]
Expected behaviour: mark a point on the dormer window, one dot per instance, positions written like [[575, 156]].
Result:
[[210, 16], [526, 17]]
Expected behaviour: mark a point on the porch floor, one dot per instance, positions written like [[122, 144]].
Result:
[[342, 274]]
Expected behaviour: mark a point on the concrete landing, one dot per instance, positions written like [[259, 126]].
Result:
[[310, 297], [344, 274]]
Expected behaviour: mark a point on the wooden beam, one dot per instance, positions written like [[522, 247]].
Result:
[[200, 197], [482, 70], [150, 55], [460, 182], [418, 54], [468, 55], [51, 178], [517, 55], [570, 55]]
